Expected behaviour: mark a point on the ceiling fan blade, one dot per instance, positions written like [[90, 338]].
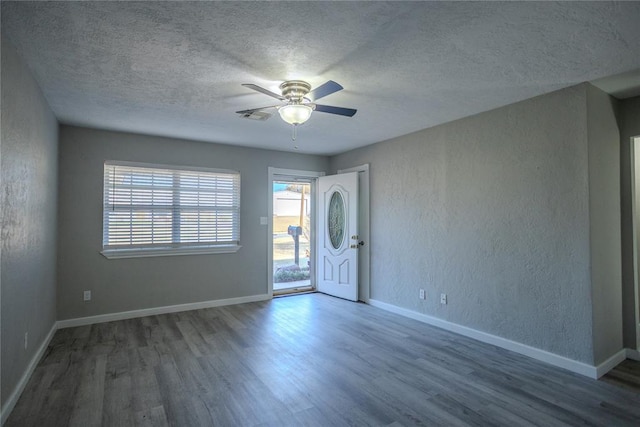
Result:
[[263, 90], [256, 109], [349, 112], [323, 90]]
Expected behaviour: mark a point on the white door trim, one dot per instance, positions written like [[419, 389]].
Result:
[[635, 166], [364, 270], [274, 172]]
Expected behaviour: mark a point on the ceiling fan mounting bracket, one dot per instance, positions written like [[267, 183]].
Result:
[[295, 90]]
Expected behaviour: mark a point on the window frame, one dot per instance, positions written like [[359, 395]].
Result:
[[172, 248]]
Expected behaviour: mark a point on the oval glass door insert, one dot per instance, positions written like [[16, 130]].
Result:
[[336, 220]]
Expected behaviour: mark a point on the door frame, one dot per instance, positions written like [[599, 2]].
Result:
[[364, 231], [276, 174], [635, 208]]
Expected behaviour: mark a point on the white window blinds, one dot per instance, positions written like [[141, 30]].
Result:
[[161, 207]]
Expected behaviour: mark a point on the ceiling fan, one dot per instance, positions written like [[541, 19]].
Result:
[[299, 101]]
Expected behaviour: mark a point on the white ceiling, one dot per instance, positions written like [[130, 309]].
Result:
[[175, 68]]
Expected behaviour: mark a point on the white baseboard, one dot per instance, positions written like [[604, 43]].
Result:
[[632, 354], [17, 391], [611, 363], [82, 321], [581, 368]]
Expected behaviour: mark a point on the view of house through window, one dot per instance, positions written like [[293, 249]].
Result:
[[291, 236]]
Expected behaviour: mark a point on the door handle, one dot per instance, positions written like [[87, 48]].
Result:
[[361, 243]]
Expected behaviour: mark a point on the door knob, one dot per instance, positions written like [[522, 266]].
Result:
[[361, 242]]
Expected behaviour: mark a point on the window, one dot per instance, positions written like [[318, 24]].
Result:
[[163, 210]]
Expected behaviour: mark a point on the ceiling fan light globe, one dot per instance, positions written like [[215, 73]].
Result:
[[295, 114]]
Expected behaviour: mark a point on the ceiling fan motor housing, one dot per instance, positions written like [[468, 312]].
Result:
[[295, 90]]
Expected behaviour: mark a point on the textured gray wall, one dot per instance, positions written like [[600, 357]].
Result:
[[29, 164], [629, 122], [137, 283], [604, 219], [493, 210]]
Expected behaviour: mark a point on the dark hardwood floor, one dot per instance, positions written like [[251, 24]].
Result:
[[305, 360], [626, 374]]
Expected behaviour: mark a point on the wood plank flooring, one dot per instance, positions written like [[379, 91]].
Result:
[[626, 374], [304, 360]]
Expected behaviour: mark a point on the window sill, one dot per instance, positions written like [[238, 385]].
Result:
[[142, 253]]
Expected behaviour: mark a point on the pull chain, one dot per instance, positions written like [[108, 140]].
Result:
[[294, 135]]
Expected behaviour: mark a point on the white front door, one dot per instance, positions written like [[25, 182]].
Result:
[[338, 239]]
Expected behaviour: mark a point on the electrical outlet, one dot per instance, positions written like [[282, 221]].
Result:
[[422, 294], [443, 299], [26, 340], [87, 295]]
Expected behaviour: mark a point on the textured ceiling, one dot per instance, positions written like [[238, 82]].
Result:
[[176, 68]]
